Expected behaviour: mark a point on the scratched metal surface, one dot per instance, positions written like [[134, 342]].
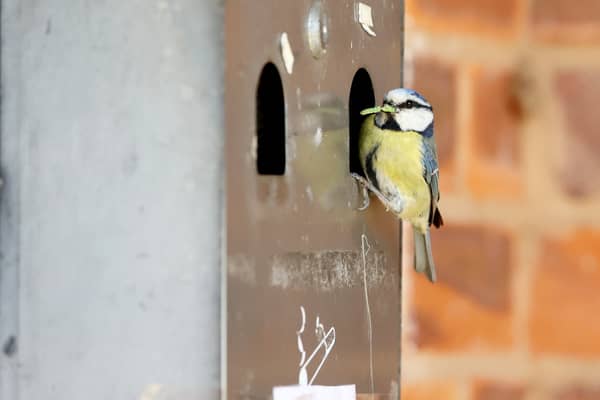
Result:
[[295, 240]]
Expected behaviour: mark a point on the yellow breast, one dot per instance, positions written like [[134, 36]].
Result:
[[399, 165]]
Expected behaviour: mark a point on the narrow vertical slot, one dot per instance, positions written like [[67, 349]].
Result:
[[361, 97], [270, 123]]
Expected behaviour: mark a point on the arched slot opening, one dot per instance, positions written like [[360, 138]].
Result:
[[361, 97], [270, 123]]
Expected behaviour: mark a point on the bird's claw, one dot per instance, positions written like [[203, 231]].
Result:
[[366, 201], [362, 182]]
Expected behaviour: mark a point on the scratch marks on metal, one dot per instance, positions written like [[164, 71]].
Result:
[[326, 343], [242, 268], [318, 137], [329, 270], [365, 18], [302, 375], [365, 247], [286, 52], [309, 194]]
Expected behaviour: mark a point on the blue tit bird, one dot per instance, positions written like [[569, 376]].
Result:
[[398, 156]]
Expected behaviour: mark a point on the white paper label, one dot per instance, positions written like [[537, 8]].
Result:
[[345, 392]]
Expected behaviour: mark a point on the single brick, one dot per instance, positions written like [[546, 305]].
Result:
[[470, 304], [579, 393], [472, 16], [429, 391], [437, 82], [579, 91], [494, 159], [565, 299], [564, 21], [564, 12], [488, 390], [476, 261], [496, 115]]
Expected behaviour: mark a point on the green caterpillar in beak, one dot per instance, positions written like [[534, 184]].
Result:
[[373, 110]]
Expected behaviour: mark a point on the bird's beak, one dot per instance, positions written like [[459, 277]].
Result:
[[388, 109], [381, 118], [383, 113]]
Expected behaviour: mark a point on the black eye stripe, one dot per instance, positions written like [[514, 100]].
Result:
[[413, 104], [408, 104]]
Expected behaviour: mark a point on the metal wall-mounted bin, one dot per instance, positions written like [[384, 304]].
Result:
[[297, 76]]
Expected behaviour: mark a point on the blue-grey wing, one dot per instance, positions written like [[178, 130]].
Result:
[[431, 175]]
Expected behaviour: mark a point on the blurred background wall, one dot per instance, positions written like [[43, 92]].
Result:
[[516, 313]]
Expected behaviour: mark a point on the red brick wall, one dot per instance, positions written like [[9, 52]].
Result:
[[515, 85]]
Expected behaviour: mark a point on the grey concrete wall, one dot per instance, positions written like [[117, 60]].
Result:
[[110, 216]]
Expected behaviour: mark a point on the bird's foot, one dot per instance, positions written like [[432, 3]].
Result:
[[363, 184], [360, 179], [366, 199], [366, 186]]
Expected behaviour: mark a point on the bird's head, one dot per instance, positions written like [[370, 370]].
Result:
[[403, 110]]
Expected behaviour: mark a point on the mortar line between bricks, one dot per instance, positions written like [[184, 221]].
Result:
[[522, 277], [464, 209], [473, 49], [524, 13], [549, 128], [464, 390], [462, 127], [526, 34], [550, 372]]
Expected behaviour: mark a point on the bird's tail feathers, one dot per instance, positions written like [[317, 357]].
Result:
[[437, 219], [423, 255]]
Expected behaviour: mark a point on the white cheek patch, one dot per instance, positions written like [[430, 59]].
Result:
[[414, 119]]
